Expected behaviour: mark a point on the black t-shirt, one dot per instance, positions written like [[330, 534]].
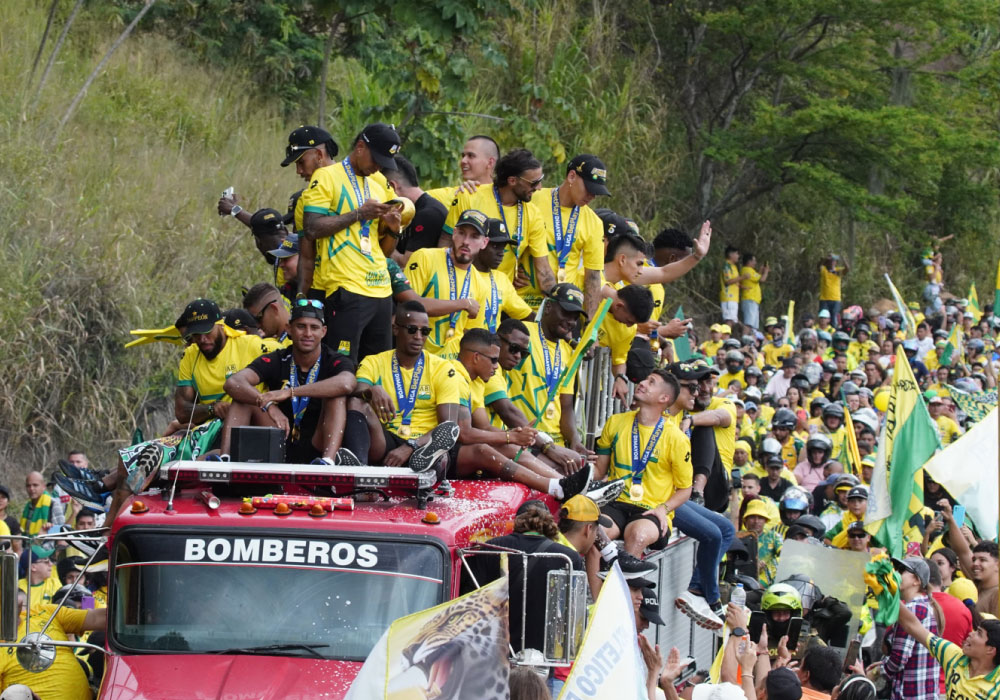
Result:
[[486, 568], [775, 493], [425, 228], [274, 370]]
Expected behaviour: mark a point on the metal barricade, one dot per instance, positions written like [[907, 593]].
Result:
[[594, 401]]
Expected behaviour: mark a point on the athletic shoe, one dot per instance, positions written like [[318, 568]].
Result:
[[217, 458], [75, 472], [90, 494], [146, 468], [578, 482], [346, 458], [443, 438], [87, 547], [634, 567], [603, 493], [698, 609], [323, 461]]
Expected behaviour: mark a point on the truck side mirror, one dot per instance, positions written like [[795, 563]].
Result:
[[9, 617], [565, 614]]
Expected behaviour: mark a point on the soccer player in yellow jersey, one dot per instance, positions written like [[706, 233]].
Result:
[[479, 156], [831, 271], [447, 273], [654, 456], [345, 216], [409, 398], [573, 232], [484, 448], [214, 353], [729, 281], [500, 292], [518, 176]]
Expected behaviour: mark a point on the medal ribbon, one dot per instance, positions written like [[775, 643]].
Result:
[[639, 463], [563, 243], [551, 370], [406, 400], [352, 178], [493, 310], [503, 217], [300, 403], [453, 284]]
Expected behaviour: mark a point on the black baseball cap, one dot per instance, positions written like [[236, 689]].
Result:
[[696, 370], [267, 221], [474, 218], [650, 607], [240, 320], [288, 247], [306, 138], [308, 308], [5, 491], [199, 316], [496, 231], [593, 172], [568, 296], [383, 142], [614, 223]]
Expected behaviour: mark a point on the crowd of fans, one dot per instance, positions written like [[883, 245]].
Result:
[[430, 330]]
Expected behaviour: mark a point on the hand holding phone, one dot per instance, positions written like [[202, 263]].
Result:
[[228, 193], [851, 655], [958, 513]]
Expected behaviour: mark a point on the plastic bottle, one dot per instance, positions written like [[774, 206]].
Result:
[[739, 596]]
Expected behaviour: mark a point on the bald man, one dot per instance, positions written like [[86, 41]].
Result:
[[37, 516], [479, 156]]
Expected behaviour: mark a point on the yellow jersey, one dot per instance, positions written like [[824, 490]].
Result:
[[710, 348], [829, 284], [65, 678], [526, 383], [659, 295], [471, 392], [581, 233], [437, 386], [344, 261], [729, 292], [430, 276], [728, 377], [955, 665], [949, 429], [616, 335], [523, 222], [750, 287], [494, 390], [725, 438], [669, 466], [500, 296], [208, 376], [774, 353], [860, 351], [445, 195], [41, 592]]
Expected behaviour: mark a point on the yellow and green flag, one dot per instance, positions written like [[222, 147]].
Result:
[[789, 318], [953, 349], [682, 345], [908, 440], [909, 323], [974, 303]]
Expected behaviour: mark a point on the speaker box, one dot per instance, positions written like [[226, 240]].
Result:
[[256, 444]]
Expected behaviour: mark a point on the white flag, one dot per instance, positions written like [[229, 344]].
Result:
[[609, 664]]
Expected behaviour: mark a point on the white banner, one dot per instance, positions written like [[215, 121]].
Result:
[[609, 664]]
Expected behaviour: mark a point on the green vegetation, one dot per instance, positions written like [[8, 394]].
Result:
[[798, 126]]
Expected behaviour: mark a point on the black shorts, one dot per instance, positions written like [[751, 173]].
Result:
[[357, 325], [624, 513]]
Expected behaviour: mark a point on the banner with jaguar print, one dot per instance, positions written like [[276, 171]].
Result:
[[453, 651]]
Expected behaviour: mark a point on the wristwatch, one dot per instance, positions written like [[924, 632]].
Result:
[[236, 210], [412, 442], [622, 376], [739, 632]]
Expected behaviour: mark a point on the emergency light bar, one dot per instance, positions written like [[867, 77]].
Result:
[[344, 478]]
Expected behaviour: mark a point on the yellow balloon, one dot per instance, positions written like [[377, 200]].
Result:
[[882, 401]]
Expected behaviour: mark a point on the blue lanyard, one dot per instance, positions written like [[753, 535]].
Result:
[[300, 403], [639, 463], [563, 243], [520, 218], [352, 178], [453, 284], [493, 310], [406, 401], [551, 371]]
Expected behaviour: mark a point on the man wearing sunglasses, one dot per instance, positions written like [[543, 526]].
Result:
[[509, 198], [408, 398], [265, 303], [214, 353], [306, 389], [345, 216], [483, 448], [447, 273]]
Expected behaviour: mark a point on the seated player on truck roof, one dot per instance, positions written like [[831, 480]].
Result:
[[407, 399], [483, 448], [306, 389]]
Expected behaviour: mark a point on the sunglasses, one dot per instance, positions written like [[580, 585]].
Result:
[[260, 314], [690, 386], [515, 349], [858, 535], [315, 303], [533, 183], [494, 359], [413, 330]]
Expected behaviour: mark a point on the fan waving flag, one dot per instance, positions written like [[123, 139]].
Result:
[[977, 313], [909, 323], [953, 349], [908, 440]]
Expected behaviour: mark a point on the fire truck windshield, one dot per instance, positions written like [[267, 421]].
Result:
[[333, 597]]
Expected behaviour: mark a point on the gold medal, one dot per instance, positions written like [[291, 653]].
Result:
[[550, 411], [635, 493], [366, 245], [450, 334], [404, 431], [654, 345], [295, 434], [561, 275]]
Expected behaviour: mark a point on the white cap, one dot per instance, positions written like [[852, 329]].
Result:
[[717, 691], [17, 692]]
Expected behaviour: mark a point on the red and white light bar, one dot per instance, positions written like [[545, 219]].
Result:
[[342, 478]]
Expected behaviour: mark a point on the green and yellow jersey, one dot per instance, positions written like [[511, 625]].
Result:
[[208, 377], [499, 287], [526, 383], [750, 287]]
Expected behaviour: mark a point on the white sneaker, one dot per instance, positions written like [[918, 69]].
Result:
[[698, 609]]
